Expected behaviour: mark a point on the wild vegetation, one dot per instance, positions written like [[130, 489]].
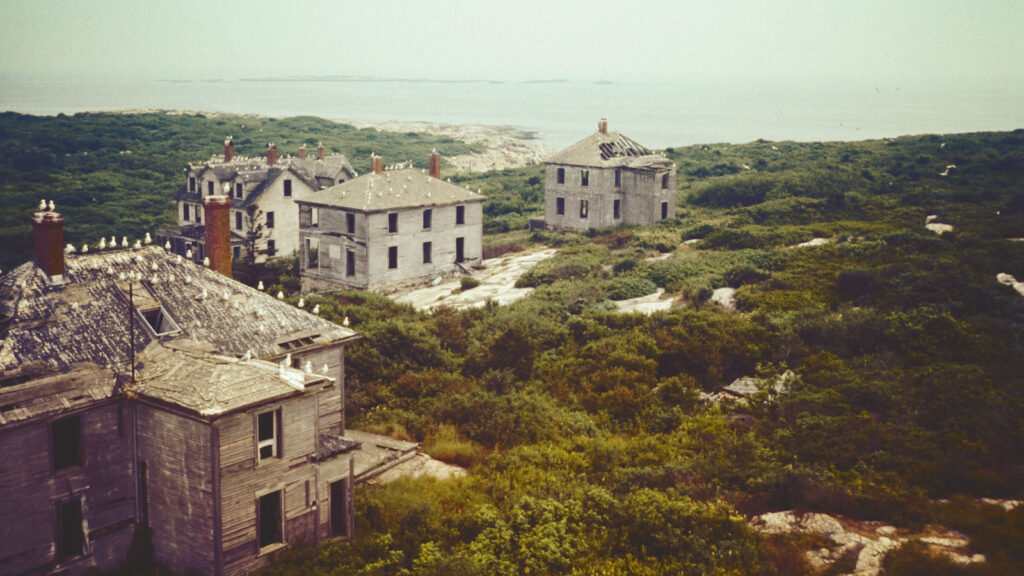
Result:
[[589, 447]]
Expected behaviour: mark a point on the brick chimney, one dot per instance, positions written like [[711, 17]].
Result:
[[602, 126], [217, 233], [229, 149], [435, 165], [302, 152], [271, 154], [320, 151], [377, 164], [48, 239]]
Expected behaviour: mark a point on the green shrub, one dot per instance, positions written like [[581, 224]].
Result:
[[468, 282], [627, 287]]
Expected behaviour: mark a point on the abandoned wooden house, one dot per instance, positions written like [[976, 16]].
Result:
[[142, 392], [387, 229], [263, 191], [607, 179]]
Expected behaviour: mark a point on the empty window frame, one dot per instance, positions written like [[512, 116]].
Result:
[[268, 434], [584, 209], [664, 181], [314, 216], [560, 175], [460, 249], [199, 213], [70, 539], [427, 257], [560, 206], [269, 526], [350, 223], [584, 177], [158, 320], [271, 248], [339, 508], [238, 220], [238, 189], [392, 257], [618, 178], [209, 188], [312, 253], [350, 263], [664, 210], [270, 219], [617, 209], [287, 188], [236, 252], [191, 183], [66, 439], [460, 214], [428, 215], [184, 212], [392, 222]]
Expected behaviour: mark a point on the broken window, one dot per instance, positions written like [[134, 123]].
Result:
[[70, 537], [584, 208], [199, 213], [184, 212], [238, 220], [67, 445], [460, 249], [393, 257], [191, 183], [560, 206], [268, 519], [236, 252], [664, 210], [271, 248], [314, 216], [350, 263], [287, 187], [270, 219], [427, 216], [268, 436], [350, 222], [618, 178], [209, 188], [561, 175], [312, 253], [238, 189], [584, 177], [426, 252], [664, 181], [339, 508], [393, 222], [158, 320], [460, 214], [616, 209]]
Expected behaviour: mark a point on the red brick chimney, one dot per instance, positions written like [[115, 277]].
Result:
[[48, 239], [229, 149], [217, 234], [602, 126], [271, 154], [435, 165], [377, 164], [320, 151], [302, 152]]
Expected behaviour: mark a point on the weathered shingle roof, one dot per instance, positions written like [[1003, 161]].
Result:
[[47, 328], [607, 150], [392, 190], [312, 171]]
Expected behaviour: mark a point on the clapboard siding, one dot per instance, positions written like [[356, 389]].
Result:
[[331, 411]]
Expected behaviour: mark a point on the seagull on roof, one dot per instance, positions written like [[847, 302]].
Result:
[[280, 295], [260, 287], [345, 321], [302, 302], [103, 243], [42, 205], [124, 242], [137, 245], [316, 309], [70, 249], [85, 248], [148, 240], [51, 206], [113, 242], [206, 261], [247, 356], [188, 253]]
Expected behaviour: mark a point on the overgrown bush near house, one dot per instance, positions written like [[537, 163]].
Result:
[[447, 445]]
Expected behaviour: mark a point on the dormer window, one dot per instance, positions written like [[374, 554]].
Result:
[[209, 188], [184, 212], [191, 183]]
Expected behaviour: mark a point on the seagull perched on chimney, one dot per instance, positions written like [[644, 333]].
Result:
[[42, 205], [51, 206]]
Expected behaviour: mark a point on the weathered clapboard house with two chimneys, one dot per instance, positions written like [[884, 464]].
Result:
[[263, 191], [388, 228], [607, 179], [143, 393]]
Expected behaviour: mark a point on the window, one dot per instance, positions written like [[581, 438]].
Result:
[[312, 253], [314, 216], [561, 175], [460, 214], [664, 210], [664, 181], [560, 206], [209, 188], [70, 538], [158, 320], [67, 446], [268, 519], [460, 249], [238, 189], [616, 209], [618, 178], [427, 216], [271, 248], [350, 223], [339, 508], [584, 177], [236, 252], [393, 257], [287, 187], [584, 208], [184, 212], [426, 252], [191, 183], [350, 263], [270, 219], [268, 437], [392, 222], [238, 220], [199, 213]]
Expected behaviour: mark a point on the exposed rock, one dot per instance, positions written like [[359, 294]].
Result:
[[724, 297]]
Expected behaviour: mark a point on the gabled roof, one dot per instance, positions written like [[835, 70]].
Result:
[[605, 150], [52, 328], [391, 190], [312, 171]]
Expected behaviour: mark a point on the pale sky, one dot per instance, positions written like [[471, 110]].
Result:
[[974, 42]]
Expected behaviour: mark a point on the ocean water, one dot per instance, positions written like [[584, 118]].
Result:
[[560, 112]]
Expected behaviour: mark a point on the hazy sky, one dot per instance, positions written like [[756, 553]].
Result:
[[980, 42]]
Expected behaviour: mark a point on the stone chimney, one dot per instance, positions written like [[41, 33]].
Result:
[[229, 149], [435, 165], [377, 164], [271, 154], [302, 152], [602, 126], [48, 239], [320, 151], [217, 232]]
